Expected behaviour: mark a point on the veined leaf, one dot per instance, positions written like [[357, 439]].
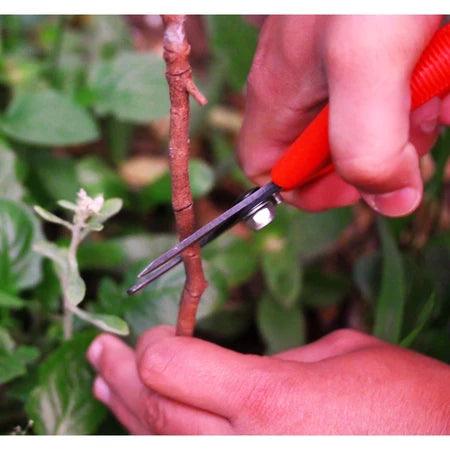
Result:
[[50, 217], [132, 87], [62, 402], [422, 320], [48, 118], [391, 297], [20, 268]]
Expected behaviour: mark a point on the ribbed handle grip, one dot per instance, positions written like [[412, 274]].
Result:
[[308, 157]]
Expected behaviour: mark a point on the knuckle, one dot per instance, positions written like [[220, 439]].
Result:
[[157, 359], [366, 170], [263, 390]]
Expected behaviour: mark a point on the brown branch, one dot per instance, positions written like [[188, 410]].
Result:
[[179, 79]]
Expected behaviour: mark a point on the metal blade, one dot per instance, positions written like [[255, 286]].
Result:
[[227, 218]]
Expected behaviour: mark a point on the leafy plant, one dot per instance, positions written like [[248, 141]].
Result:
[[83, 103], [89, 214]]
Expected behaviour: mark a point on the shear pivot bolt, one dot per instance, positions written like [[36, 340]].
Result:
[[263, 213]]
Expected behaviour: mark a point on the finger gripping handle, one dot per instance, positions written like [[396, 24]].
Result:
[[308, 157]]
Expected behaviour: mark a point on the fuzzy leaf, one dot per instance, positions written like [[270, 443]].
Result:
[[283, 273], [9, 184], [132, 87], [76, 288], [47, 117], [67, 205], [57, 254], [62, 402], [50, 217], [108, 322], [20, 268]]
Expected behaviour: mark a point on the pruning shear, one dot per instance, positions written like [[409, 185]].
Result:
[[308, 158]]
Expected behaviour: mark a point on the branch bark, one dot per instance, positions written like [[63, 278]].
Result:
[[181, 86]]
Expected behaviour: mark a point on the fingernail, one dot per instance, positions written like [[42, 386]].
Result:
[[397, 203], [94, 352], [101, 390]]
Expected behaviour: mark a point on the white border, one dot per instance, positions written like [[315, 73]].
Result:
[[225, 443], [225, 7]]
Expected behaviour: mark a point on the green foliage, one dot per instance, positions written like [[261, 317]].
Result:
[[235, 44], [391, 298], [14, 359], [131, 87], [281, 328], [19, 267], [10, 186], [158, 192], [62, 402], [47, 118], [77, 103]]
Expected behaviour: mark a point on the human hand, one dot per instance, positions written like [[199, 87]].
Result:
[[345, 383], [363, 65]]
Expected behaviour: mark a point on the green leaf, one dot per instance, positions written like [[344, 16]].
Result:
[[10, 301], [75, 289], [20, 268], [62, 402], [9, 184], [280, 328], [314, 233], [422, 320], [282, 272], [158, 302], [49, 217], [57, 254], [11, 367], [47, 118], [235, 258], [53, 175], [119, 253], [97, 178], [67, 205], [13, 364], [229, 322], [7, 344], [391, 297], [321, 289], [367, 274], [132, 87], [107, 322], [110, 208], [201, 178], [234, 42]]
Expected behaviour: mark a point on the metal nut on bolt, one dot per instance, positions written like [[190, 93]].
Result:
[[263, 213]]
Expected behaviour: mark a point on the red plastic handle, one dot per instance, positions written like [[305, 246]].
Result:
[[308, 157]]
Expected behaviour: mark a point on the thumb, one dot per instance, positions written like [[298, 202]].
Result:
[[370, 107]]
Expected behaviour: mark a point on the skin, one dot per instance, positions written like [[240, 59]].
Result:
[[346, 382]]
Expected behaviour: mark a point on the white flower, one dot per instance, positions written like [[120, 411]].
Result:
[[87, 206]]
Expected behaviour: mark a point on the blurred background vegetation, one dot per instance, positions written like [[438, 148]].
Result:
[[83, 103]]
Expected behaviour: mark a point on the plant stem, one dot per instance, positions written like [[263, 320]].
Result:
[[72, 257], [181, 86], [67, 321]]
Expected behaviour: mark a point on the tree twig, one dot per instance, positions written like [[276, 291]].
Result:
[[181, 86]]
